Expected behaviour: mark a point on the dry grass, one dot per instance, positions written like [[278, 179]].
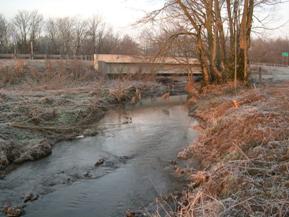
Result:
[[245, 150], [50, 74]]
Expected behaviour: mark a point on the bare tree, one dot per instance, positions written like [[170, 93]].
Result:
[[65, 36], [52, 34], [269, 50], [95, 32], [22, 27], [168, 41], [3, 33], [245, 35], [28, 28], [128, 46], [36, 21], [209, 23], [109, 42], [80, 35], [66, 33]]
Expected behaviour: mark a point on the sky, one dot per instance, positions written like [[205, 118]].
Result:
[[275, 19], [120, 14]]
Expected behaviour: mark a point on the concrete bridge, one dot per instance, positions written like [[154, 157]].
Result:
[[125, 64]]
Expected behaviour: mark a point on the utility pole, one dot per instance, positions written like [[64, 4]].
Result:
[[31, 47]]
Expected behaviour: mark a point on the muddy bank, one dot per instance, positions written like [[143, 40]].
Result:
[[32, 121], [244, 151]]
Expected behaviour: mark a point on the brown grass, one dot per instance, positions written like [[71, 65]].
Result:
[[51, 74], [245, 153]]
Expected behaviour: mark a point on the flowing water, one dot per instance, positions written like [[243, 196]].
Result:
[[133, 150]]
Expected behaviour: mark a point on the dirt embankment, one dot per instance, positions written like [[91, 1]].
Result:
[[244, 151], [59, 101]]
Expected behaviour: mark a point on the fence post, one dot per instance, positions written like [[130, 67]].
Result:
[[31, 47], [94, 59], [15, 52], [260, 74]]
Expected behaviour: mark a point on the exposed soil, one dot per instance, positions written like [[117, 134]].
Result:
[[244, 151]]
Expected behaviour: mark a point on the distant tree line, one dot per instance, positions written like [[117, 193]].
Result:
[[76, 36], [269, 50], [159, 43], [262, 50], [66, 36]]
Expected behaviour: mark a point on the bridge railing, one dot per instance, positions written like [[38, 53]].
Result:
[[45, 56], [270, 64]]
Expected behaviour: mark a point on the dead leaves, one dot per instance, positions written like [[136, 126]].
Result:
[[236, 104], [166, 96], [199, 178]]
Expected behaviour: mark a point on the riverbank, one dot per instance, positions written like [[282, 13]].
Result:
[[47, 102], [244, 153], [125, 166]]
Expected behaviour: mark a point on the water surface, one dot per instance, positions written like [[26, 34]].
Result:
[[136, 144]]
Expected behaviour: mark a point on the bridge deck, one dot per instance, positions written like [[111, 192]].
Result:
[[124, 64]]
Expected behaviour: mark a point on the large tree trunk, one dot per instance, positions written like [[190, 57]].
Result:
[[212, 40], [245, 33], [200, 46], [231, 28], [203, 58], [221, 35], [248, 35]]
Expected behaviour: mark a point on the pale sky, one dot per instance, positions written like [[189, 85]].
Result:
[[121, 13]]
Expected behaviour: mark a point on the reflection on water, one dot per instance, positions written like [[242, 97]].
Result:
[[136, 144]]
